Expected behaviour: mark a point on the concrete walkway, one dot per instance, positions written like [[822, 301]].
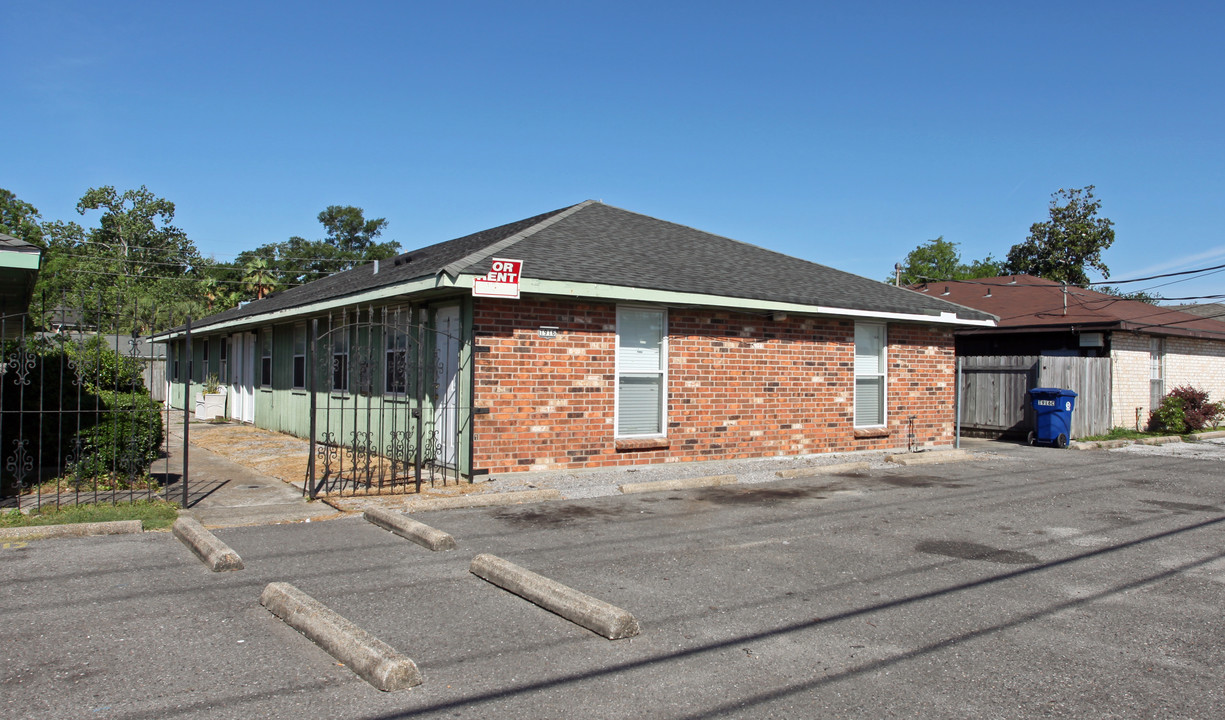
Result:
[[224, 493]]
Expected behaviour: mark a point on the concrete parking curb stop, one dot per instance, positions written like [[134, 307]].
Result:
[[824, 470], [678, 484], [930, 458], [596, 615], [216, 554], [410, 529], [483, 500], [1099, 444], [1161, 440], [44, 532], [373, 660]]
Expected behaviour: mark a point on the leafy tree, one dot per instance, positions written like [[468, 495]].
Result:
[[1073, 238], [350, 241], [1138, 295], [134, 264], [348, 229], [20, 219], [939, 259]]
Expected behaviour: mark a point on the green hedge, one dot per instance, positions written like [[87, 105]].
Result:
[[125, 442]]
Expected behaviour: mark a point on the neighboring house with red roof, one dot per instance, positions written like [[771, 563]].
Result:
[[1152, 348], [630, 340]]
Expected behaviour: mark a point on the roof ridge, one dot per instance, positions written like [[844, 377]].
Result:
[[453, 269]]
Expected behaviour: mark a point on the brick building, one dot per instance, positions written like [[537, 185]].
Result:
[[627, 340]]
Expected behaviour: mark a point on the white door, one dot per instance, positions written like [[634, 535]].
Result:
[[446, 382], [242, 377]]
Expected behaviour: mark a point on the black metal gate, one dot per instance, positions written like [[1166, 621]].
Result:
[[77, 421], [390, 400]]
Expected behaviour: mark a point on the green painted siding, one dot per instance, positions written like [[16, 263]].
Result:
[[365, 408]]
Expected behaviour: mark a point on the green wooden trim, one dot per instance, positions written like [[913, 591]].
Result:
[[20, 260]]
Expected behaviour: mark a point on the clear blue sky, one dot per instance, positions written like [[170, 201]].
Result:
[[844, 133]]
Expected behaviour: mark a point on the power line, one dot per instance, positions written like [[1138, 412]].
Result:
[[179, 277], [1156, 277]]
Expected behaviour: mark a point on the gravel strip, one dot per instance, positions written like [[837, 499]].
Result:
[[575, 484]]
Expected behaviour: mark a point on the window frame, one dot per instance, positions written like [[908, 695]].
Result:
[[401, 326], [223, 360], [662, 373], [882, 375], [299, 357], [341, 371], [265, 357]]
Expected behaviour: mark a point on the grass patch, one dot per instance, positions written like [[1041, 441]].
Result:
[[1120, 433], [153, 514]]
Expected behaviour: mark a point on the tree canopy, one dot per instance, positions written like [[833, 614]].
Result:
[[1072, 238], [350, 241], [940, 259], [20, 219], [133, 263]]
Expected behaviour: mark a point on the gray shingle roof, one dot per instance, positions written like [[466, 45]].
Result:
[[12, 244], [596, 243]]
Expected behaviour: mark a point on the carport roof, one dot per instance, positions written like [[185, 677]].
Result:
[[592, 244]]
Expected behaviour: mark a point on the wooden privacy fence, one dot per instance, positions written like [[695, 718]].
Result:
[[994, 392]]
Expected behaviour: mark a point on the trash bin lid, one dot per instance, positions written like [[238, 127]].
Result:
[[1056, 392]]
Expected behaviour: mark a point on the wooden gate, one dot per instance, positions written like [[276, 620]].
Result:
[[994, 392]]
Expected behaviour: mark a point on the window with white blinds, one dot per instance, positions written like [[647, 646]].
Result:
[[869, 374], [641, 366]]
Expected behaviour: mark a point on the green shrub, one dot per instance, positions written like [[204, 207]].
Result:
[[126, 440], [1169, 416], [103, 368]]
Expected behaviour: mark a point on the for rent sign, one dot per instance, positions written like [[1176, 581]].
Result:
[[502, 280]]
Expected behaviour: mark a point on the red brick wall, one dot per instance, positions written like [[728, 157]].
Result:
[[739, 385]]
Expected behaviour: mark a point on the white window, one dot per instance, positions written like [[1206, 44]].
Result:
[[224, 361], [265, 362], [207, 342], [340, 359], [397, 342], [869, 374], [299, 356], [642, 365]]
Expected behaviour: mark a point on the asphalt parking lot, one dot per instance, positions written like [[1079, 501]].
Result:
[[1031, 583]]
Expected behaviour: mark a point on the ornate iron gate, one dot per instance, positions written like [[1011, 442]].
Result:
[[77, 423], [390, 400]]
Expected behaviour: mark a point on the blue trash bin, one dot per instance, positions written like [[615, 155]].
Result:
[[1052, 416]]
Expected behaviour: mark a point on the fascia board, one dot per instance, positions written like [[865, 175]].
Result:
[[404, 288], [619, 293]]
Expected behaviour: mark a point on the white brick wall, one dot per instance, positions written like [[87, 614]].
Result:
[[1187, 361], [1129, 356], [1198, 363]]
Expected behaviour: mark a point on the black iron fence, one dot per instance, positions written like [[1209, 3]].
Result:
[[390, 401], [77, 420]]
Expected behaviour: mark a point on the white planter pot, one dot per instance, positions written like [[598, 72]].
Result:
[[210, 405]]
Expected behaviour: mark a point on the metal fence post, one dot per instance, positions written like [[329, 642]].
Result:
[[308, 485], [186, 407]]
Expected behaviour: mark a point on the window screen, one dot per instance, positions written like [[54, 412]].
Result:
[[869, 374], [641, 365]]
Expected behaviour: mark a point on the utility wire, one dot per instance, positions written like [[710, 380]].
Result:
[[179, 277]]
